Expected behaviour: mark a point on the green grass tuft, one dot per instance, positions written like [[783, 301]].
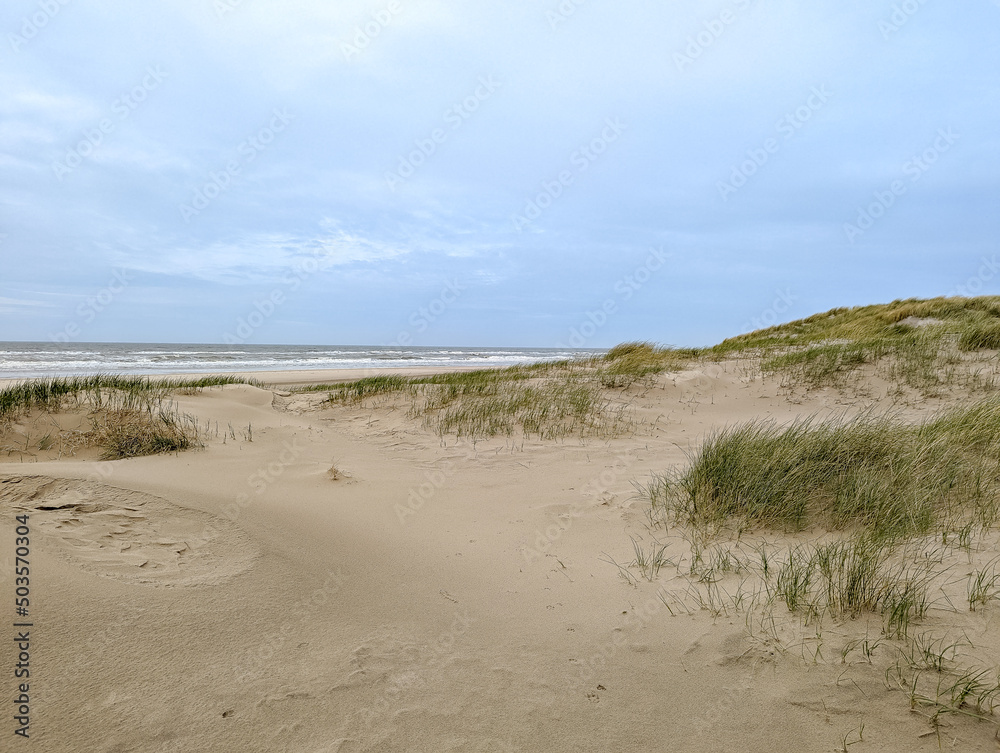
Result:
[[848, 577], [891, 479], [128, 415], [355, 392], [49, 394], [981, 336]]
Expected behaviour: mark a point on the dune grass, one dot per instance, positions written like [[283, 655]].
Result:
[[550, 402], [128, 414], [875, 473], [892, 510], [921, 344], [628, 363], [549, 411], [827, 364], [980, 336], [877, 322], [984, 586], [848, 577], [894, 513], [548, 399], [48, 394], [366, 387], [133, 432], [913, 342], [916, 343]]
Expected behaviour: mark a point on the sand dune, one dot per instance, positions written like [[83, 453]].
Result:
[[438, 595]]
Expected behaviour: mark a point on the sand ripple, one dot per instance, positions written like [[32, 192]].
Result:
[[129, 535]]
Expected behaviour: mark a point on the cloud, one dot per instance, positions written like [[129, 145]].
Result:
[[33, 118], [18, 305], [264, 258], [318, 194], [24, 99]]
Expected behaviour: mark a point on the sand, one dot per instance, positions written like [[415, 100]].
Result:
[[438, 595], [301, 377]]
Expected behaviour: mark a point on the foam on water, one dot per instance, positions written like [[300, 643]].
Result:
[[23, 360]]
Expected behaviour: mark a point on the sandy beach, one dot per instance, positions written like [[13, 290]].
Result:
[[433, 594], [303, 377], [526, 377]]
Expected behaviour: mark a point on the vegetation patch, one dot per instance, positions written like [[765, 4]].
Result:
[[901, 522], [916, 343], [49, 394], [129, 415], [547, 400], [888, 478]]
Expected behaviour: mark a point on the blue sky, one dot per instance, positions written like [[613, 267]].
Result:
[[516, 173]]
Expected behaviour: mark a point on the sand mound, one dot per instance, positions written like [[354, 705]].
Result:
[[129, 535]]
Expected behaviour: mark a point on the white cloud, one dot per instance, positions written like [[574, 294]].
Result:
[[269, 258], [17, 305], [20, 100], [265, 258]]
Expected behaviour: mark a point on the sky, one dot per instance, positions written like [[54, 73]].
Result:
[[546, 174]]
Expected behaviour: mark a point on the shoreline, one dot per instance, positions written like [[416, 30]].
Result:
[[287, 377]]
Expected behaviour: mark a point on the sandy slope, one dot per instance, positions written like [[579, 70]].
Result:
[[439, 597]]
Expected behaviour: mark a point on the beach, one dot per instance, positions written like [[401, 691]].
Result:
[[308, 377], [326, 577], [560, 377]]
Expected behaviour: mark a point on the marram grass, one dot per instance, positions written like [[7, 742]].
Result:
[[913, 342], [548, 400], [128, 415], [49, 393], [876, 474]]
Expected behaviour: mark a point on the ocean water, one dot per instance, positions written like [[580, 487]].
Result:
[[24, 360]]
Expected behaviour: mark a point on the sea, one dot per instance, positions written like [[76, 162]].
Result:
[[23, 360]]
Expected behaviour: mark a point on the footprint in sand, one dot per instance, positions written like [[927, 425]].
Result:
[[129, 535]]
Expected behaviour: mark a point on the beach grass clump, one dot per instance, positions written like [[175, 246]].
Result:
[[128, 414], [503, 402], [947, 691], [890, 479], [125, 432], [24, 396], [452, 386], [628, 363], [624, 372], [631, 349], [984, 586], [132, 423], [918, 359], [548, 410], [980, 336], [824, 364], [912, 357], [547, 400], [49, 394], [367, 387], [848, 577]]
